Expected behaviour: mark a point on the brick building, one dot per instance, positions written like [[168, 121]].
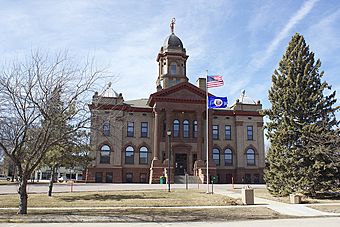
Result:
[[130, 138]]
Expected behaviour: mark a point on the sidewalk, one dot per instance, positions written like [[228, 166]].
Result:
[[299, 210]]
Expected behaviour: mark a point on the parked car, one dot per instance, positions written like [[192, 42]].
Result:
[[62, 179], [3, 177]]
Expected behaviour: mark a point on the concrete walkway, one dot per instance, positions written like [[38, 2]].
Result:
[[300, 210]]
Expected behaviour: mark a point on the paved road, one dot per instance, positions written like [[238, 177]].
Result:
[[303, 222], [43, 188]]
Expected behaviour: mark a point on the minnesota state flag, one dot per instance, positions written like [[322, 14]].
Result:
[[217, 102]]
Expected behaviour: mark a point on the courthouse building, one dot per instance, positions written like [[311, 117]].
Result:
[[130, 138]]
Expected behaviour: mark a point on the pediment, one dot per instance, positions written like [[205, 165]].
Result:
[[183, 92]]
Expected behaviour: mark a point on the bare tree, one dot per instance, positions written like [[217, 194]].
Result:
[[29, 126]]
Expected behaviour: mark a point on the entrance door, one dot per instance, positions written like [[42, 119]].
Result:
[[229, 178], [180, 164]]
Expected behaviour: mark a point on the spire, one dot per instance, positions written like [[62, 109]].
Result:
[[172, 25]]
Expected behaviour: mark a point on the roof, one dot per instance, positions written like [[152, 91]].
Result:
[[137, 103], [244, 99]]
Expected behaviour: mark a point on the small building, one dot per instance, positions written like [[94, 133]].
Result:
[[62, 173], [130, 140]]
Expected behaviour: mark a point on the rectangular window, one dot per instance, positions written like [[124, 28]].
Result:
[[228, 132], [109, 177], [98, 177], [106, 128], [215, 135], [129, 178], [143, 178], [130, 129], [144, 129], [250, 132]]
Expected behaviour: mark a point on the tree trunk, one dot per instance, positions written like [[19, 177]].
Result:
[[50, 186], [22, 191]]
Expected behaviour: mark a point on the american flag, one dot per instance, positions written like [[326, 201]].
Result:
[[214, 81]]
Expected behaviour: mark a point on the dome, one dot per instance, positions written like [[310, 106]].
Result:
[[172, 42]]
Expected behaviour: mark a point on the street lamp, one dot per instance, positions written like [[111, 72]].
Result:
[[169, 148]]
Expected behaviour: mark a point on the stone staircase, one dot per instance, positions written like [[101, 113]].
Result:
[[191, 179]]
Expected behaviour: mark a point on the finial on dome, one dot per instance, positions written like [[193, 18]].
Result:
[[172, 25]]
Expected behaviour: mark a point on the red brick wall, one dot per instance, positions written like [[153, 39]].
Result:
[[136, 174], [239, 175]]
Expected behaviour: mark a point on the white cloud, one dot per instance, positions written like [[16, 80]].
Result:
[[260, 58]]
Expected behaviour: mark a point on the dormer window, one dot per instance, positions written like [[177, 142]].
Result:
[[173, 69]]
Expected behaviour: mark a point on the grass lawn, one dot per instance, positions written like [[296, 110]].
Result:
[[5, 182], [327, 208], [142, 215], [103, 204], [122, 199], [263, 193]]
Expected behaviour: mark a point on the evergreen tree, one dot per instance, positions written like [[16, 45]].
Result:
[[303, 130], [72, 148]]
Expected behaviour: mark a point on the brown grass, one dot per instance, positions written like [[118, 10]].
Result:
[[327, 208], [263, 193], [122, 199], [142, 215]]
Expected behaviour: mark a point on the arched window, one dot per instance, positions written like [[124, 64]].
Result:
[[143, 155], [216, 156], [194, 129], [105, 154], [129, 155], [186, 129], [176, 128], [250, 157], [228, 157]]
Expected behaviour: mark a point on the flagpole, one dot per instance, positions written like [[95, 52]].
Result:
[[207, 130]]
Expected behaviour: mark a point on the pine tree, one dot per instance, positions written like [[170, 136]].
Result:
[[72, 148], [303, 130]]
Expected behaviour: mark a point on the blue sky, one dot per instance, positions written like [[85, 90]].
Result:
[[241, 40]]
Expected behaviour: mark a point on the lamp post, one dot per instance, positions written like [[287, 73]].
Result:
[[169, 155]]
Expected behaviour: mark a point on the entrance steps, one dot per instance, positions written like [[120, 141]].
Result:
[[191, 179]]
